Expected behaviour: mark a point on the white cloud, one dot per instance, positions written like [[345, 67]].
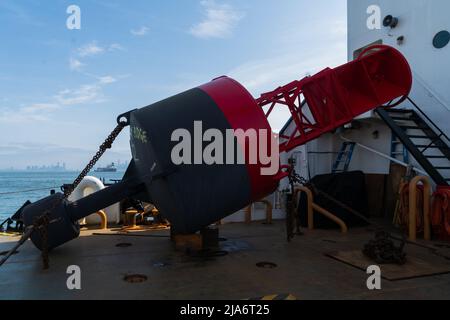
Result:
[[142, 31], [265, 75], [91, 93], [87, 93], [21, 116], [37, 112], [219, 21], [75, 64], [90, 49], [38, 107], [40, 112], [107, 80], [93, 48], [115, 47]]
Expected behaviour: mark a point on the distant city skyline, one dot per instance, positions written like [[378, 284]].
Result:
[[121, 165], [53, 167]]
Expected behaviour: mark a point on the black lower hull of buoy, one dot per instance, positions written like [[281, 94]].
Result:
[[191, 196]]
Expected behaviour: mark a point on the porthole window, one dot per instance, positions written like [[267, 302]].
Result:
[[441, 39]]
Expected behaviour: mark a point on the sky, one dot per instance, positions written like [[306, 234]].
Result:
[[61, 90]]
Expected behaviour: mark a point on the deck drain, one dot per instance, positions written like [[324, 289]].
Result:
[[266, 265], [124, 245], [4, 253], [135, 278]]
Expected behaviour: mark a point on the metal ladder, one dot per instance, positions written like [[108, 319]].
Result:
[[395, 152], [424, 140], [344, 156]]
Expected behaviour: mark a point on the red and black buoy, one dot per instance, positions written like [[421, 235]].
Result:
[[194, 195]]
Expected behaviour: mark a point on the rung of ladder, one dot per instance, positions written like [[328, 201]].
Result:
[[432, 147]]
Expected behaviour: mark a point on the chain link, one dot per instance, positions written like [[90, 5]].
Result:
[[42, 222], [382, 249], [102, 149], [292, 220]]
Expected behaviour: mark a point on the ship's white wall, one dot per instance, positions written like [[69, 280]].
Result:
[[419, 21], [322, 152], [372, 133]]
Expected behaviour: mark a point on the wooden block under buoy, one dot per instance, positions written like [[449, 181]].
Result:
[[188, 242]]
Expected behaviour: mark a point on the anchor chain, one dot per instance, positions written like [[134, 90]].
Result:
[[382, 249], [102, 149], [292, 220], [42, 223]]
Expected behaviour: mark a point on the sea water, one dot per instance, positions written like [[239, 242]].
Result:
[[18, 182]]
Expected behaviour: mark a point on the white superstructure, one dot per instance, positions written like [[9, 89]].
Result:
[[415, 35]]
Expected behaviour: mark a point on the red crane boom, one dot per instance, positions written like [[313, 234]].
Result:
[[334, 97]]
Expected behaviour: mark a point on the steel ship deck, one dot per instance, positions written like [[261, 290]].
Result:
[[303, 269]]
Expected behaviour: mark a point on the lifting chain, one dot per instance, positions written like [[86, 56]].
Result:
[[292, 220], [382, 249], [102, 149], [41, 223]]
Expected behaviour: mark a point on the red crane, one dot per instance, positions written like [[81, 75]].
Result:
[[334, 97]]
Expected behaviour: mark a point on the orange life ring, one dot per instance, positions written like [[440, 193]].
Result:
[[440, 215]]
